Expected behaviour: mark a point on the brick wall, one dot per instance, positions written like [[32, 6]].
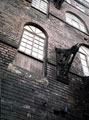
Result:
[[25, 95]]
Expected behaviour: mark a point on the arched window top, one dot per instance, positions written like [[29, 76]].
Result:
[[34, 30], [33, 42], [75, 21]]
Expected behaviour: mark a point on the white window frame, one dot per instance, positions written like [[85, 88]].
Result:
[[33, 42], [70, 18], [41, 5], [84, 56]]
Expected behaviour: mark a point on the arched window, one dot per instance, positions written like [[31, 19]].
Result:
[[84, 55], [75, 21], [31, 53], [33, 42]]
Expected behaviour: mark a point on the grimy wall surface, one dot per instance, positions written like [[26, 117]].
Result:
[[29, 96]]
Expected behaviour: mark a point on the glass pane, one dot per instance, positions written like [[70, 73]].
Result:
[[28, 46], [31, 35], [85, 69], [24, 40], [35, 41], [27, 51], [75, 24], [35, 45], [41, 48], [29, 42], [38, 31], [34, 54], [82, 28], [31, 39], [27, 28], [86, 74], [25, 32], [25, 36], [40, 56], [82, 57], [22, 48], [23, 44], [41, 52], [42, 35], [35, 49], [37, 38], [84, 62], [42, 40], [41, 44], [86, 50], [32, 28], [68, 20]]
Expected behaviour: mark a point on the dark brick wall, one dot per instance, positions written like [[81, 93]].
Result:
[[24, 95]]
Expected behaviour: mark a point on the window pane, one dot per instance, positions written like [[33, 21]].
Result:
[[35, 41], [26, 33], [35, 45], [84, 62], [34, 54], [31, 39], [75, 24], [40, 56], [35, 49], [31, 35], [68, 20], [37, 38], [25, 36], [41, 52], [28, 51], [40, 5], [41, 48], [27, 27], [82, 57], [41, 40], [23, 44], [24, 40], [28, 46], [82, 28], [41, 44], [22, 48], [29, 42], [85, 69]]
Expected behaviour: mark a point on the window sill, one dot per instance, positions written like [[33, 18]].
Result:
[[31, 56]]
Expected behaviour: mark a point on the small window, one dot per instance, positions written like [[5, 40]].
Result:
[[41, 5], [33, 42], [84, 55], [68, 1], [80, 7], [76, 22]]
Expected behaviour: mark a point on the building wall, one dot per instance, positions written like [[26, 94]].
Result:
[[26, 95]]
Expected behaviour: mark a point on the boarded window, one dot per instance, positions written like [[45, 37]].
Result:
[[41, 5]]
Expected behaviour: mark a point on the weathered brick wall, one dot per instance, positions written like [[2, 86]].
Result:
[[24, 94]]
